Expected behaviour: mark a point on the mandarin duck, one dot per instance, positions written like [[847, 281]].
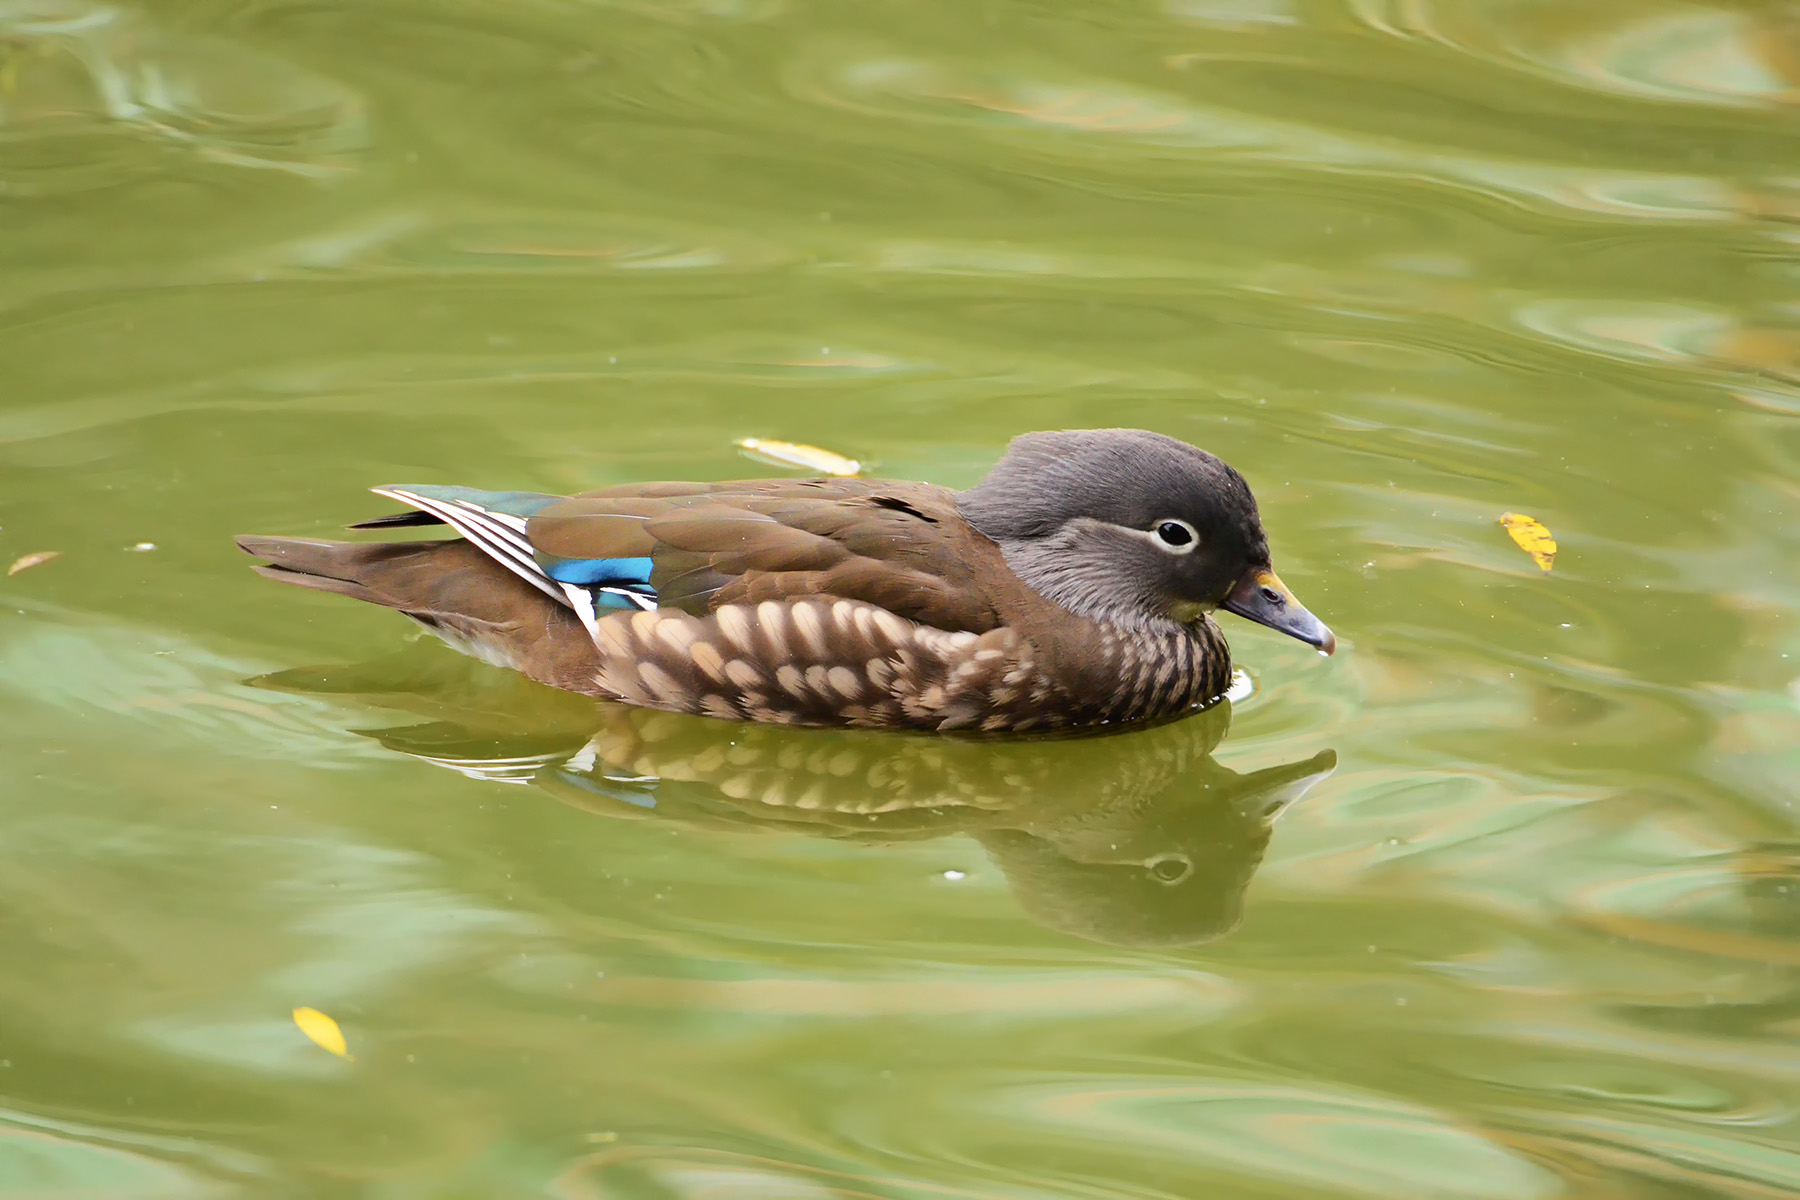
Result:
[[1072, 587]]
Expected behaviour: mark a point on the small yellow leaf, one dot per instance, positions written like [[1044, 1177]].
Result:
[[323, 1030], [26, 562], [1532, 537], [798, 454]]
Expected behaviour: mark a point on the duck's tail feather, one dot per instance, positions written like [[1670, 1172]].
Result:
[[362, 572], [452, 588], [421, 579]]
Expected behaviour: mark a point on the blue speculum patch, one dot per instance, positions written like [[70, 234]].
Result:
[[590, 571]]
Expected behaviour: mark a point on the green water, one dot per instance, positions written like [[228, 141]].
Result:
[[1528, 922]]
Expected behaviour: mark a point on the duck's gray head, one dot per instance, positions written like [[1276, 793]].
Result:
[[1134, 528]]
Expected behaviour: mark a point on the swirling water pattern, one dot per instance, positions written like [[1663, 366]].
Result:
[[1531, 931]]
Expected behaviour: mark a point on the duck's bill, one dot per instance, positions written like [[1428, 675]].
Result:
[[1261, 597]]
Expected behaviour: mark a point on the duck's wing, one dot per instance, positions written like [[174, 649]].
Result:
[[493, 521], [695, 547]]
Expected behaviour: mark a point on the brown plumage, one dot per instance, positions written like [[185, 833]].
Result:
[[1070, 589]]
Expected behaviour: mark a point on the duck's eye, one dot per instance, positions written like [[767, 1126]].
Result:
[[1177, 536], [1170, 868]]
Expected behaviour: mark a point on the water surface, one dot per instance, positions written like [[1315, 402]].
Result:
[[1500, 902]]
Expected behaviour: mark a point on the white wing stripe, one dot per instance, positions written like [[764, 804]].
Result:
[[582, 601], [487, 519], [501, 526], [470, 523], [516, 524], [478, 526]]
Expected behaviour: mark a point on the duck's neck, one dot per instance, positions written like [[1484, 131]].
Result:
[[1080, 579], [1119, 659]]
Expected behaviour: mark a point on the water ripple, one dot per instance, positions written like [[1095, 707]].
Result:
[[1408, 264], [1340, 1139], [1023, 111], [92, 95]]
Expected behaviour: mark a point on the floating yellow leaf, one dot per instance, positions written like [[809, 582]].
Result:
[[1532, 537], [798, 454], [26, 562], [322, 1029]]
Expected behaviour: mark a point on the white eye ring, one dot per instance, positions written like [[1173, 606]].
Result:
[[1172, 535], [1169, 869]]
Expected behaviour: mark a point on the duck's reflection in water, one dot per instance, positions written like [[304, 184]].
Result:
[[1139, 838]]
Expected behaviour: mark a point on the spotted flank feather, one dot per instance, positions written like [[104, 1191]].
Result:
[[812, 662], [841, 662]]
